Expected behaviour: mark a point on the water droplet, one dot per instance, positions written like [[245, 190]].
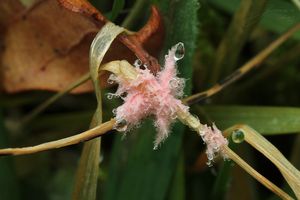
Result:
[[123, 95], [121, 125], [174, 116], [137, 63], [173, 83], [111, 79], [145, 66], [237, 136], [209, 164], [179, 53], [216, 148], [138, 125], [202, 132], [114, 111], [210, 156], [110, 95]]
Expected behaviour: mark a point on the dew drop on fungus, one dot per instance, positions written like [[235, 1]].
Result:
[[121, 125], [137, 63], [109, 81], [216, 148], [179, 53], [237, 136], [174, 83]]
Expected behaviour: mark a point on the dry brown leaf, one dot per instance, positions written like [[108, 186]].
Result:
[[47, 47]]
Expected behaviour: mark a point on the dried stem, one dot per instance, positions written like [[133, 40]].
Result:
[[84, 136], [238, 160]]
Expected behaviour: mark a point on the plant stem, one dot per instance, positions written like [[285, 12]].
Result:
[[251, 64], [84, 136], [233, 156], [134, 14]]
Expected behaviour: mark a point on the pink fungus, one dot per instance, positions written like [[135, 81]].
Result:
[[214, 140], [150, 95]]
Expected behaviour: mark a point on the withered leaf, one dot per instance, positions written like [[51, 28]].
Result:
[[47, 46]]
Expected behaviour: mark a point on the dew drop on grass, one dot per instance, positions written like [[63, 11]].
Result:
[[238, 136], [110, 95], [179, 53]]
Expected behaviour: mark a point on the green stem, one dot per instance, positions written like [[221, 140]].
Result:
[[134, 14]]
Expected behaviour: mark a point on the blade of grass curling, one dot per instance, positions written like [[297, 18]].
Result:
[[289, 172], [265, 119], [8, 183], [136, 171], [88, 169], [245, 19]]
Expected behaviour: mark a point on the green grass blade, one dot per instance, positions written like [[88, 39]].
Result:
[[266, 120], [116, 9]]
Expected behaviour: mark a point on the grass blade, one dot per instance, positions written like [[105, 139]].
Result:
[[88, 169], [116, 9], [266, 120]]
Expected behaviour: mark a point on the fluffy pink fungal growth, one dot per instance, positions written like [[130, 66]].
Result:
[[150, 95], [214, 141]]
